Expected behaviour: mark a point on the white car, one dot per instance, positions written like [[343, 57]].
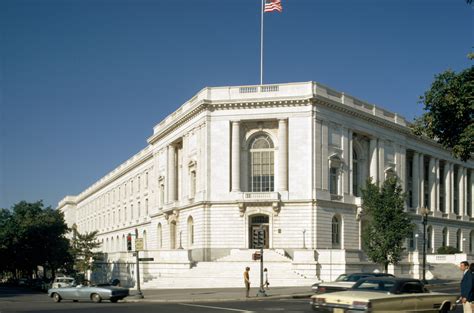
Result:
[[62, 282]]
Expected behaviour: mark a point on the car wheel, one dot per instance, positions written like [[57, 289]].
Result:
[[113, 300], [56, 297], [96, 298]]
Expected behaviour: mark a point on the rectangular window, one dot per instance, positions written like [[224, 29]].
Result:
[[333, 181], [192, 191]]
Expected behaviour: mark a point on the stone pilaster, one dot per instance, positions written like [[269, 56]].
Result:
[[471, 186], [171, 173], [235, 156], [324, 156], [461, 192], [283, 155]]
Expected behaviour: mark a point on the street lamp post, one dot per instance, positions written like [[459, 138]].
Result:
[[424, 220]]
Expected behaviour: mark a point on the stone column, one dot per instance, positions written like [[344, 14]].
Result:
[[373, 155], [416, 180], [448, 187], [461, 191], [350, 154], [282, 155], [432, 184], [171, 173], [235, 156], [381, 164], [421, 174], [471, 186], [401, 165]]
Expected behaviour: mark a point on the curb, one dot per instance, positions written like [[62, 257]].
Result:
[[295, 296]]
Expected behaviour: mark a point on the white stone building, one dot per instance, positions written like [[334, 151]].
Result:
[[290, 158]]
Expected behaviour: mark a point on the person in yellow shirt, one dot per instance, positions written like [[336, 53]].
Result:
[[247, 281]]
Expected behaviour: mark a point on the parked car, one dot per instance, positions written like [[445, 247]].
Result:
[[94, 293], [344, 282], [385, 295], [63, 281]]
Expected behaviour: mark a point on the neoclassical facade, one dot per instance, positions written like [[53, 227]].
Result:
[[290, 159]]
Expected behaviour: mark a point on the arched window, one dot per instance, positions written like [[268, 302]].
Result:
[[117, 243], [144, 241], [159, 234], [355, 173], [445, 237], [261, 164], [335, 164], [459, 240], [190, 231], [123, 246], [336, 232]]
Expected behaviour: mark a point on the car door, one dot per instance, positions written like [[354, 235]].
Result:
[[413, 297]]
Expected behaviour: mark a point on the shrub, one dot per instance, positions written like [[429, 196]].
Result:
[[447, 250]]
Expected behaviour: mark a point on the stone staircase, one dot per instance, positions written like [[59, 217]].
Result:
[[444, 271], [227, 272]]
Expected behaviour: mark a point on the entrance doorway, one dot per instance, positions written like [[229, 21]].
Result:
[[256, 223]]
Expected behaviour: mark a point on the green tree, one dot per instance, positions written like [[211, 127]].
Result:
[[388, 225], [32, 236], [83, 246], [450, 112]]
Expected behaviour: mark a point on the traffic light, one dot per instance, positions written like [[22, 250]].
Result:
[[261, 238], [258, 239], [129, 242]]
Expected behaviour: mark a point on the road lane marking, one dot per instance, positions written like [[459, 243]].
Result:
[[216, 308]]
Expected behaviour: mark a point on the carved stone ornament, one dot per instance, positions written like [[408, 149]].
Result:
[[359, 213], [242, 208], [276, 207]]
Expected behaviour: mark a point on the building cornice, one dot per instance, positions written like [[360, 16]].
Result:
[[126, 167]]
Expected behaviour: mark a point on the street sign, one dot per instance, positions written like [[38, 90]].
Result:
[[146, 259], [139, 244]]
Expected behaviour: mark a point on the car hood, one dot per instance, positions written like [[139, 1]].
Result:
[[347, 297]]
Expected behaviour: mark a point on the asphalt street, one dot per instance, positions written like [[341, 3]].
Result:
[[20, 300]]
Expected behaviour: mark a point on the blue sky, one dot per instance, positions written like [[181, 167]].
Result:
[[82, 82]]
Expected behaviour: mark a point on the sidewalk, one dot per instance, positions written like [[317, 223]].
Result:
[[238, 294], [217, 294]]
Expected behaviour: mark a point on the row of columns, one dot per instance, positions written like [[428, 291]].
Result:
[[451, 187], [282, 182]]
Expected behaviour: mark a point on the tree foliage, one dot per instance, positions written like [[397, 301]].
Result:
[[83, 246], [32, 236], [388, 225], [450, 112]]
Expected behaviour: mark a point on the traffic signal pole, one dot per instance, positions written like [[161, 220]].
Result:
[[139, 294], [139, 291], [261, 242]]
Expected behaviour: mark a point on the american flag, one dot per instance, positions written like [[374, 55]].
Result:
[[273, 5]]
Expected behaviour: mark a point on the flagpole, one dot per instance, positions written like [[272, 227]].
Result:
[[261, 45]]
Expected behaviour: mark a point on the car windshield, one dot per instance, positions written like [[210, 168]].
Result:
[[352, 278], [375, 285], [341, 277]]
